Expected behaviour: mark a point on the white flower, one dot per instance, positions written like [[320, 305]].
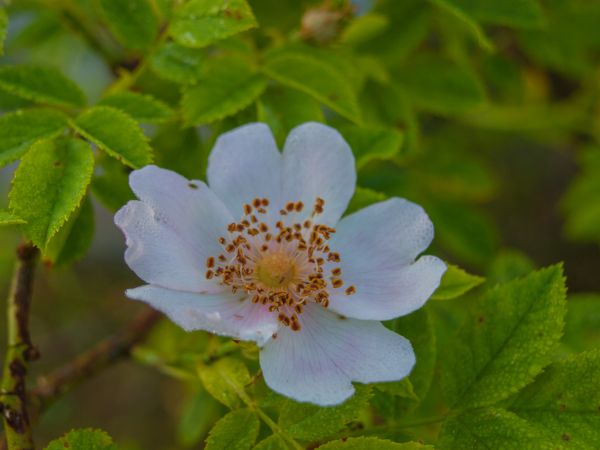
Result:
[[262, 254]]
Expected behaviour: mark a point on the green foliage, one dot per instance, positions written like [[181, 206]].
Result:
[[370, 144], [203, 22], [237, 430], [42, 85], [310, 423], [371, 443], [456, 282], [273, 442], [364, 197], [3, 27], [317, 75], [21, 129], [142, 108], [507, 340], [116, 133], [225, 380], [197, 417], [177, 63], [49, 185], [85, 439], [133, 22], [227, 87], [8, 218]]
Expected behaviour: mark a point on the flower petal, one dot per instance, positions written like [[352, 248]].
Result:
[[317, 162], [318, 363], [173, 230], [223, 314], [243, 165], [378, 246]]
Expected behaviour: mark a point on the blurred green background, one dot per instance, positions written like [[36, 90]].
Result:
[[485, 112]]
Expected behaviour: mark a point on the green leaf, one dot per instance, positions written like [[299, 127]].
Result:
[[469, 22], [508, 265], [203, 22], [455, 283], [3, 28], [198, 415], [364, 197], [49, 185], [283, 109], [491, 428], [440, 86], [317, 76], [237, 430], [364, 28], [582, 325], [74, 238], [86, 439], [141, 107], [508, 339], [515, 13], [225, 380], [227, 87], [563, 402], [132, 22], [273, 442], [117, 134], [20, 130], [402, 388], [8, 218], [176, 63], [111, 184], [310, 423], [42, 85], [369, 144], [372, 443]]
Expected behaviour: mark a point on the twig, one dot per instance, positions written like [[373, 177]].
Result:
[[13, 394], [91, 362]]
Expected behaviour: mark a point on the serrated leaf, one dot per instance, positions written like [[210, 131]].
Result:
[[373, 443], [42, 85], [3, 28], [174, 62], [563, 402], [237, 430], [116, 133], [364, 197], [8, 218], [225, 380], [319, 77], [202, 22], [141, 107], [198, 415], [310, 423], [74, 238], [372, 143], [86, 439], [227, 87], [21, 129], [132, 22], [440, 86], [508, 339], [283, 109], [456, 282], [516, 13], [488, 428], [274, 442], [49, 185]]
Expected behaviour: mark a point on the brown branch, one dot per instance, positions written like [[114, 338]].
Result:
[[91, 362], [20, 351]]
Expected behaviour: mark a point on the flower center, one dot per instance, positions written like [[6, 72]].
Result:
[[276, 269], [284, 268]]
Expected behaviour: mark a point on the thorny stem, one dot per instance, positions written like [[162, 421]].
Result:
[[20, 351]]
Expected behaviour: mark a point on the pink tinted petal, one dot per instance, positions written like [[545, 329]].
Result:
[[378, 246], [317, 162], [173, 230], [243, 165], [319, 363], [223, 314]]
